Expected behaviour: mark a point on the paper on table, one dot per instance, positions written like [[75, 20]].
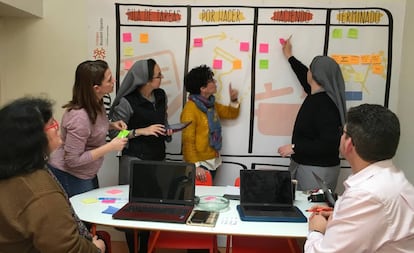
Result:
[[178, 126], [232, 190]]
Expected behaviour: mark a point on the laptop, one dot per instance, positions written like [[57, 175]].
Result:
[[330, 199], [266, 195], [159, 191]]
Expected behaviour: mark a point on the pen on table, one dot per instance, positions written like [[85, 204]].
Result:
[[320, 209], [109, 198]]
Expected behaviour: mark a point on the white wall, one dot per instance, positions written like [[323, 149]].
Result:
[[40, 56]]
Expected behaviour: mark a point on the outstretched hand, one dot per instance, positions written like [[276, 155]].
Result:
[[287, 48]]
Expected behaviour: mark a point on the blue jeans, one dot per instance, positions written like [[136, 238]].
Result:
[[72, 184]]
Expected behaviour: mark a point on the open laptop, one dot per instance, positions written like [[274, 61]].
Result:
[[159, 191], [266, 195], [330, 199]]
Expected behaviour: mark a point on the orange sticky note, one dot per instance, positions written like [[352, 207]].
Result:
[[143, 38]]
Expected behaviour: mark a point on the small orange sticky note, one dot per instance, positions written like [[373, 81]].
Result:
[[143, 38]]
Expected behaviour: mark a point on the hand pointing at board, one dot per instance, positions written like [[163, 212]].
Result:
[[234, 94]]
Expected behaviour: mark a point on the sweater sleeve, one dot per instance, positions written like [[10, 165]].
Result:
[[78, 130], [227, 111], [301, 72]]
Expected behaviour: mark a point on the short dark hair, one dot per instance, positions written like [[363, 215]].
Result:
[[198, 77], [375, 131], [88, 74], [24, 144]]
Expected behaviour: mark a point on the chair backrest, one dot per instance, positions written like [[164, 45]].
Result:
[[237, 182], [208, 182]]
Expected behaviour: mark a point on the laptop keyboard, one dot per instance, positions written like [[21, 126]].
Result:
[[154, 212], [148, 208]]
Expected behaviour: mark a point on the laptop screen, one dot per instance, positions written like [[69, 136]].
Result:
[[162, 182], [266, 187]]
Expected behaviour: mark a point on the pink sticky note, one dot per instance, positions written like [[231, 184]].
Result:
[[282, 41], [114, 191], [127, 65], [217, 64], [244, 46], [264, 48], [198, 42], [108, 201], [127, 37]]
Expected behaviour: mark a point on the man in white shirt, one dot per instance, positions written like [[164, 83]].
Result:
[[376, 211]]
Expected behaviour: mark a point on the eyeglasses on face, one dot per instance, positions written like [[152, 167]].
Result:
[[54, 125]]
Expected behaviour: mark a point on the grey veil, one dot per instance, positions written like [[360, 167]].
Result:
[[136, 76], [327, 73]]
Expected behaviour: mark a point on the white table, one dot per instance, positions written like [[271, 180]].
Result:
[[228, 223]]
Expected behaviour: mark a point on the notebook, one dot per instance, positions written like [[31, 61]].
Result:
[[159, 191], [266, 195], [330, 199]]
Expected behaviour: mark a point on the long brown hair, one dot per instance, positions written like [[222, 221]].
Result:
[[88, 74]]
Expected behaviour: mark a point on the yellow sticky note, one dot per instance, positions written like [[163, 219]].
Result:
[[129, 51], [89, 200]]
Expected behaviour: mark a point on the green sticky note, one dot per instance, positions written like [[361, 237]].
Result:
[[263, 64], [337, 33], [353, 33], [123, 133]]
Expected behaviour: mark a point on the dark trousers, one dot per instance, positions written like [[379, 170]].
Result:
[[143, 238]]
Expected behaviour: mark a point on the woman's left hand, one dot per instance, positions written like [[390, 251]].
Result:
[[118, 125]]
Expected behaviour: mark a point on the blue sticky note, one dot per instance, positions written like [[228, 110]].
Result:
[[110, 210]]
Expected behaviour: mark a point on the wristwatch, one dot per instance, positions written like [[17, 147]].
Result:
[[134, 133], [293, 147]]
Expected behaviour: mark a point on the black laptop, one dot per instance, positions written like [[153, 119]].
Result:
[[329, 196], [159, 191], [266, 195]]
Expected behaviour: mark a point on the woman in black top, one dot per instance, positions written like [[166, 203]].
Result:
[[142, 105], [316, 135]]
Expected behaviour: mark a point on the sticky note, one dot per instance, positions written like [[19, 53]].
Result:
[[282, 41], [244, 46], [126, 37], [217, 64], [129, 51], [237, 64], [89, 200], [377, 69], [353, 33], [108, 201], [264, 48], [337, 33], [263, 64], [143, 38], [114, 191], [198, 42], [110, 210], [127, 65], [123, 133]]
